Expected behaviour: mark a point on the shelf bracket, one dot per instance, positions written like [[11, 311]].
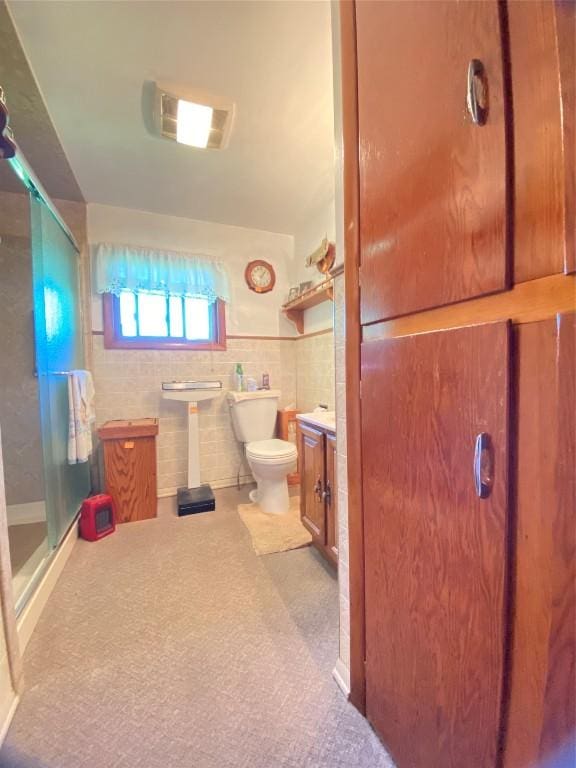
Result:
[[297, 317]]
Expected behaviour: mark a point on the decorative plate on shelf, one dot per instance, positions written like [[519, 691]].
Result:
[[260, 276]]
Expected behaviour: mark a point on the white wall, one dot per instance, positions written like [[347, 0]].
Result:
[[318, 225], [249, 313]]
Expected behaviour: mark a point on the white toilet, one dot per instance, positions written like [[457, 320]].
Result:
[[271, 460]]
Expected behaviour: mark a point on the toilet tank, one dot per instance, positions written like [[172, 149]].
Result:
[[254, 414]]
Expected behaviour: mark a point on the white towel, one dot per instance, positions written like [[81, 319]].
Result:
[[81, 414]]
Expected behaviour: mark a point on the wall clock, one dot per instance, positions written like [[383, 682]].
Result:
[[260, 276]]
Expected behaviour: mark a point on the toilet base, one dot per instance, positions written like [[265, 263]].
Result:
[[194, 500], [271, 496]]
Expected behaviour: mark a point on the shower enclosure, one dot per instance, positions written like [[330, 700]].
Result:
[[41, 341]]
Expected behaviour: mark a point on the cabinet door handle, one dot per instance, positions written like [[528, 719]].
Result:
[[318, 489], [327, 494], [477, 92], [483, 465]]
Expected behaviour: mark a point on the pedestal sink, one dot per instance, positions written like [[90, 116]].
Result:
[[195, 497]]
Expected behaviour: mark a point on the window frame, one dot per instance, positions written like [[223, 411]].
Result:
[[113, 338]]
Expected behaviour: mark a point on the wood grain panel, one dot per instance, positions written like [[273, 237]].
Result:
[[353, 340], [539, 196], [311, 452], [566, 34], [130, 473], [287, 429], [525, 303], [435, 553], [122, 428], [433, 186], [559, 725], [542, 704], [331, 500]]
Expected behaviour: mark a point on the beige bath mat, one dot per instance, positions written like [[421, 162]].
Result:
[[274, 533]]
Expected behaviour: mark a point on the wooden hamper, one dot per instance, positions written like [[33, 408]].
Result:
[[287, 430], [130, 467]]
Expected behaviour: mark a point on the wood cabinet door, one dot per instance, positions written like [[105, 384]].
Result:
[[539, 145], [565, 25], [432, 182], [312, 482], [331, 500], [435, 552], [542, 709]]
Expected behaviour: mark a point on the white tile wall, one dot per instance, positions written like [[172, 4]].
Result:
[[341, 469], [128, 384], [315, 371]]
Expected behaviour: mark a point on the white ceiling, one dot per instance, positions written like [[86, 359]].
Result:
[[272, 59]]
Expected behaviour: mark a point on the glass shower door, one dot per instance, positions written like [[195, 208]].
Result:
[[59, 349]]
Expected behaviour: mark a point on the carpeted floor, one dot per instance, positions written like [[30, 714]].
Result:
[[171, 644]]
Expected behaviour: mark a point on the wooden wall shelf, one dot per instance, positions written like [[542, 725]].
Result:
[[294, 310]]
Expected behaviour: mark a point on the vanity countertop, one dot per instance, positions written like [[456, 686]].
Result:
[[322, 419]]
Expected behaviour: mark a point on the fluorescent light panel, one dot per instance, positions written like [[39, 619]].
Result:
[[193, 124]]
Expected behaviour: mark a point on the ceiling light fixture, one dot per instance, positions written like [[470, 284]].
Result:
[[193, 118], [193, 123]]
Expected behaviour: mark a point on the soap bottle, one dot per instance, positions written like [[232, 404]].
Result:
[[239, 377]]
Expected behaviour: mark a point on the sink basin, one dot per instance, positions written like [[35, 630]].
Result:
[[324, 419], [191, 391], [190, 395]]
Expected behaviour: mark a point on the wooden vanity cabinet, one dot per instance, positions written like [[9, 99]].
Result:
[[332, 500], [311, 452], [318, 489]]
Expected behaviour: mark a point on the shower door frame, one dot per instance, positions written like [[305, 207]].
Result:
[[32, 184]]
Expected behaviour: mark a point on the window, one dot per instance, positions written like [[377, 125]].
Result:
[[148, 320]]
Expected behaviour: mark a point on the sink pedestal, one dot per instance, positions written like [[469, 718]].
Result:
[[195, 497], [193, 447]]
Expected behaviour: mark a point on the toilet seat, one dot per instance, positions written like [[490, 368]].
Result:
[[271, 451]]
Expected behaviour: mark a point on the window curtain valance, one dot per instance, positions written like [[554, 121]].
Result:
[[125, 267]]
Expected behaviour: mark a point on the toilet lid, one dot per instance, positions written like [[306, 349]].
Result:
[[271, 449]]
